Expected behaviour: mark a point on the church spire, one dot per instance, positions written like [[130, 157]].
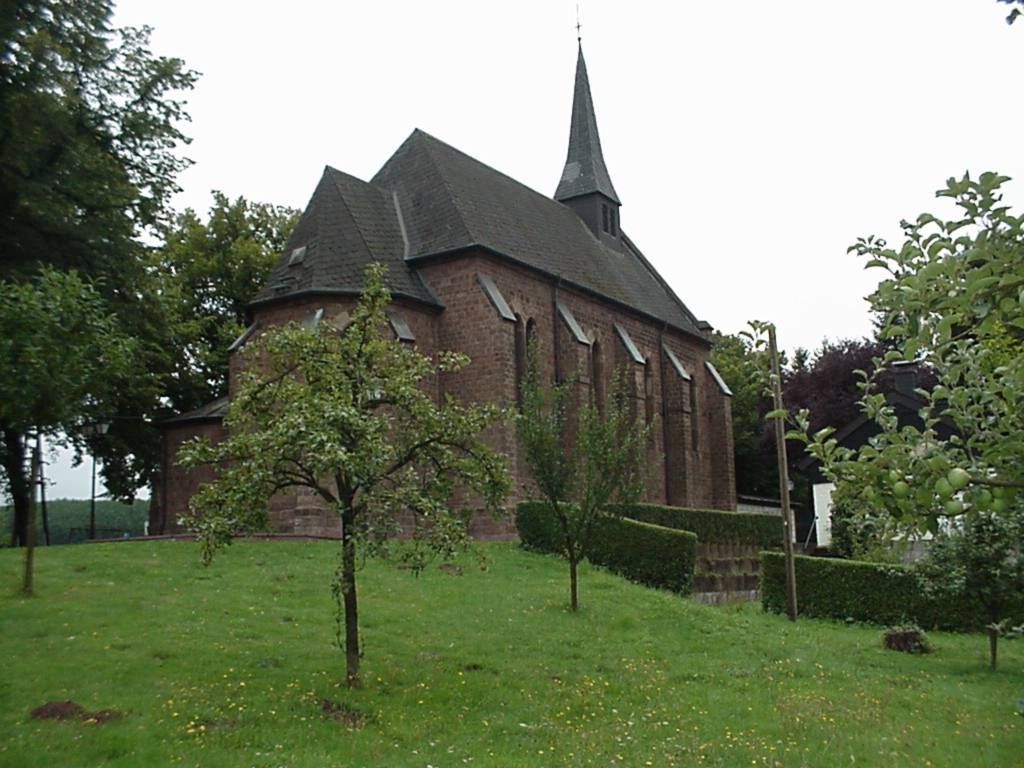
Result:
[[585, 172]]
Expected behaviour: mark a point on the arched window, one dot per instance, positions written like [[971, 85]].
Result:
[[694, 415], [520, 358], [597, 383], [649, 392]]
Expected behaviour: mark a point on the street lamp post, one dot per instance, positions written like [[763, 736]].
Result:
[[96, 429]]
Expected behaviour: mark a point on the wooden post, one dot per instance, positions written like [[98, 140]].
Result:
[[42, 490], [780, 453], [30, 533]]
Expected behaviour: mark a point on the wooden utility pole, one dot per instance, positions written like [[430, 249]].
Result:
[[42, 489], [780, 453], [30, 532]]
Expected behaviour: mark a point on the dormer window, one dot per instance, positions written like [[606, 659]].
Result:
[[297, 256]]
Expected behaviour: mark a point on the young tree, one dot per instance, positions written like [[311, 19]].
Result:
[[346, 413], [57, 338], [582, 465]]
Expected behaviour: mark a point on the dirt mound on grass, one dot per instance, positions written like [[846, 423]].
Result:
[[69, 710], [343, 713]]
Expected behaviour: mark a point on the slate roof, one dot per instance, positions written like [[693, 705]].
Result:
[[585, 171], [451, 201], [346, 225], [431, 199]]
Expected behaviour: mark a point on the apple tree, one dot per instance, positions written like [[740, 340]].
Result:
[[347, 413]]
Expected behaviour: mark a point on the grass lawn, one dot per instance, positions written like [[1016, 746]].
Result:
[[231, 665]]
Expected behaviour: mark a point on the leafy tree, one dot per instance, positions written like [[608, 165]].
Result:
[[207, 273], [55, 334], [953, 298], [88, 136], [742, 367], [981, 560], [828, 385], [89, 130], [191, 305], [1015, 12], [347, 415], [580, 465]]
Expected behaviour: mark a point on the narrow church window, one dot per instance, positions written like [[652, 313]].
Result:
[[649, 394], [597, 375], [604, 216], [694, 416], [520, 362], [613, 217]]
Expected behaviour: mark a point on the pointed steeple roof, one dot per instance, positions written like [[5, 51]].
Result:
[[585, 171]]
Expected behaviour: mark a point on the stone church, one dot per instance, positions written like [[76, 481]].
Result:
[[481, 264]]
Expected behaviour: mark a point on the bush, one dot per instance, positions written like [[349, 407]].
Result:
[[872, 592], [713, 526], [538, 528], [642, 552]]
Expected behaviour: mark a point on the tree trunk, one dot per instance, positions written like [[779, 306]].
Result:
[[348, 592], [573, 602], [993, 646], [18, 484]]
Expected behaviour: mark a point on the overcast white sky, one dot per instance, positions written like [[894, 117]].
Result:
[[750, 143]]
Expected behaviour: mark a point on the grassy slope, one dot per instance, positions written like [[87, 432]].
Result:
[[487, 669]]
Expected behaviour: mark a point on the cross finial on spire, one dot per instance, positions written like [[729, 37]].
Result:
[[579, 38]]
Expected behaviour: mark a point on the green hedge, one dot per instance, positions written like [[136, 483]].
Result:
[[711, 525], [851, 589], [642, 552], [69, 520], [538, 528]]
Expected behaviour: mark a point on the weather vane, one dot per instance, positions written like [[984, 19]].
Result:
[[579, 38]]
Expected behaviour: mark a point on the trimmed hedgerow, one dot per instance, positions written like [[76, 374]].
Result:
[[872, 592], [712, 526], [642, 552], [538, 528], [645, 553]]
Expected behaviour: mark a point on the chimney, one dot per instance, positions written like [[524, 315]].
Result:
[[904, 377]]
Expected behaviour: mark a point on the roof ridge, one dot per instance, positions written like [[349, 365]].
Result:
[[421, 135], [491, 168], [355, 219]]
